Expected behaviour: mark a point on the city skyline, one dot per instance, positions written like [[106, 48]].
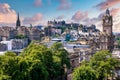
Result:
[[38, 12]]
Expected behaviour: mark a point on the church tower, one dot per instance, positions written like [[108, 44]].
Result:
[[107, 38], [18, 21]]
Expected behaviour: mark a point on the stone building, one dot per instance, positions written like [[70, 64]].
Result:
[[13, 44], [3, 47], [107, 37], [30, 32], [7, 33], [18, 43]]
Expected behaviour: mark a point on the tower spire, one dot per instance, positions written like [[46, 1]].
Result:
[[107, 11], [18, 21], [18, 16]]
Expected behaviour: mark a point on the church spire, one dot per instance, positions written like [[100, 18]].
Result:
[[18, 21], [18, 16]]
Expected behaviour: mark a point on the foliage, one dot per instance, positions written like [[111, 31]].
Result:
[[36, 62], [102, 62], [12, 54], [84, 73], [61, 53]]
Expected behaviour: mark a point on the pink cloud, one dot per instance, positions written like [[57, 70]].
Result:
[[115, 11], [34, 19], [84, 18], [79, 16], [107, 4], [38, 3], [7, 15], [64, 4]]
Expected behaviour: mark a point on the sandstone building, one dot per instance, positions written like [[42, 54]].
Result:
[[107, 37]]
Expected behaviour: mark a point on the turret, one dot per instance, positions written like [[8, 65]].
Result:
[[107, 12]]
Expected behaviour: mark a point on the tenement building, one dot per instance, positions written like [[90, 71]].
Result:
[[107, 37]]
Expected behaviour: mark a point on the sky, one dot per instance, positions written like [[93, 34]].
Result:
[[38, 12]]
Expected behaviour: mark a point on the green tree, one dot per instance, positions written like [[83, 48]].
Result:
[[36, 62], [84, 73], [10, 67], [61, 57], [22, 67], [10, 54], [61, 53], [45, 55], [2, 75], [103, 63]]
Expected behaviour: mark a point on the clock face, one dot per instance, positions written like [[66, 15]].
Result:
[[106, 20]]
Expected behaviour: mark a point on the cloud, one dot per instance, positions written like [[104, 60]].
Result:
[[64, 4], [115, 11], [84, 18], [35, 19], [60, 17], [38, 3], [116, 20], [90, 21], [107, 4], [79, 16], [7, 15]]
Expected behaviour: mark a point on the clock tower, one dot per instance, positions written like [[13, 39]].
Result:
[[107, 23], [107, 38]]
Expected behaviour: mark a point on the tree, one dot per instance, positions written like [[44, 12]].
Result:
[[41, 53], [102, 62], [10, 67], [84, 73], [10, 54], [61, 53], [2, 75], [61, 57], [36, 62], [38, 71], [54, 58], [26, 67]]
